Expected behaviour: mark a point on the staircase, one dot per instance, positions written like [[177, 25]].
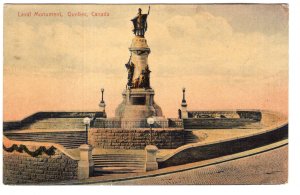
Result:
[[70, 139], [189, 138], [119, 163], [56, 123]]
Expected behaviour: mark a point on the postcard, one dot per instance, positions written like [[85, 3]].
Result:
[[158, 94]]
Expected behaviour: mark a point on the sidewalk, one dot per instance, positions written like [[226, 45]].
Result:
[[175, 169]]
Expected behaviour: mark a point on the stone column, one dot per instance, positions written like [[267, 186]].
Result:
[[86, 163], [151, 163]]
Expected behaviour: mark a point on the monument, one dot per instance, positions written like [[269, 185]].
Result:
[[69, 147], [138, 98]]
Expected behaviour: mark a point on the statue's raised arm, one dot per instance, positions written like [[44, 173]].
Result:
[[140, 23]]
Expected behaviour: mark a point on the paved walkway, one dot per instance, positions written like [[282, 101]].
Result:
[[264, 165], [265, 168]]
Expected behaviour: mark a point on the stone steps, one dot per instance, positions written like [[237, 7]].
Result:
[[190, 138], [118, 163], [56, 123], [67, 139], [98, 172]]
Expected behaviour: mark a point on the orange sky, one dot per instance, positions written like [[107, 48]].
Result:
[[227, 57]]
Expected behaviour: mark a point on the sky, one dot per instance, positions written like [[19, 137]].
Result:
[[226, 56]]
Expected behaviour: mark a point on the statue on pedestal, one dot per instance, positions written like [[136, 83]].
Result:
[[140, 23], [137, 65], [138, 98]]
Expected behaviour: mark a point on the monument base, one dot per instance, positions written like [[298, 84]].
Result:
[[136, 138], [138, 105]]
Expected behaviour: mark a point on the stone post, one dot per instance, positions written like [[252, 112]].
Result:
[[151, 163], [86, 163], [184, 112]]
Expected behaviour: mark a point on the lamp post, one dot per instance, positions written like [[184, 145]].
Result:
[[86, 121], [102, 91], [150, 121], [86, 163], [102, 103], [183, 113], [183, 102]]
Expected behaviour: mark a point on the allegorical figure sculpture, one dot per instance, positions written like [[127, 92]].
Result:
[[130, 69], [140, 23], [144, 82]]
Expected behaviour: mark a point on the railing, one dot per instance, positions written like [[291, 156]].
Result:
[[100, 123], [133, 124], [245, 114], [212, 114], [175, 123]]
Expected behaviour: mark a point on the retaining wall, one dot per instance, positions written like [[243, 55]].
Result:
[[52, 116], [197, 152], [216, 123], [32, 163], [221, 119], [117, 138]]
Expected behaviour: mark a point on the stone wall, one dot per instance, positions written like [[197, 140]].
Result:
[[197, 152], [53, 120], [160, 122], [21, 167], [216, 123], [117, 138], [246, 114], [12, 125]]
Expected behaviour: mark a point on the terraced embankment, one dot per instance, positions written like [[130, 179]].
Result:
[[273, 128]]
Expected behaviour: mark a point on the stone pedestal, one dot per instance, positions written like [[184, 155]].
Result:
[[151, 163], [86, 163], [102, 107], [184, 112], [137, 106]]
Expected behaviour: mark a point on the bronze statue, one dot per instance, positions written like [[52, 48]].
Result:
[[130, 68], [144, 79], [140, 23], [147, 77]]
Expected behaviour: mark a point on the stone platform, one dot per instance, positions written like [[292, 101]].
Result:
[[139, 138]]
